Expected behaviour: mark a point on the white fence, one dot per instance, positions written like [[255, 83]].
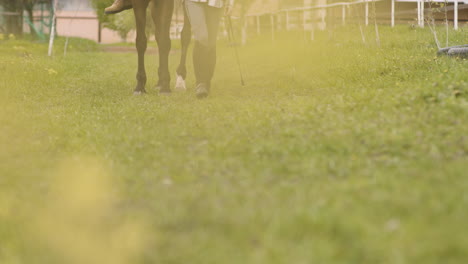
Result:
[[282, 18]]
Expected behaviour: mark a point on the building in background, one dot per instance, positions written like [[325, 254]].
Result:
[[77, 18]]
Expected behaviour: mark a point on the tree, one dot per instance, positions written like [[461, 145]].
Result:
[[14, 23], [99, 6], [28, 6], [123, 23]]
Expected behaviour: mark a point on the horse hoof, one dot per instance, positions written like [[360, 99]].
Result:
[[180, 84], [139, 92]]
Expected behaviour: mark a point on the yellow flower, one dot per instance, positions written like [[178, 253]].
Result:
[[12, 37], [52, 71]]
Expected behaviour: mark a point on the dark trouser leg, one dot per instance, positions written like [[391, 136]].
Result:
[[210, 64], [199, 56], [205, 22], [213, 17], [185, 38]]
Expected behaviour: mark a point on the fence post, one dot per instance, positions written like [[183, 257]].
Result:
[[278, 21], [367, 12], [53, 28], [272, 21], [304, 21], [258, 25], [422, 13], [99, 32], [343, 14], [393, 13], [455, 15], [244, 30], [419, 12]]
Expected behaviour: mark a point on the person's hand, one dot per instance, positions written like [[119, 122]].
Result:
[[228, 10]]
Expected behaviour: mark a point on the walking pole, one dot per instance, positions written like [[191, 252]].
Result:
[[233, 39]]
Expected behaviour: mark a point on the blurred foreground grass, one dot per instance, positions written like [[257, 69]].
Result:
[[335, 152]]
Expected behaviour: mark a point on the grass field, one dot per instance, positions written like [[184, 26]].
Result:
[[335, 152]]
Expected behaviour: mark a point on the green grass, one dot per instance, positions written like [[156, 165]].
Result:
[[334, 152]]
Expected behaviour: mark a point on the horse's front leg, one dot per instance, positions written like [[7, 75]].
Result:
[[161, 12], [185, 38], [139, 9]]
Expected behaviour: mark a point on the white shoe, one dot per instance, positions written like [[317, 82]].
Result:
[[180, 84]]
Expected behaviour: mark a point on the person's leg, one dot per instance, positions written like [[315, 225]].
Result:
[[196, 15], [213, 18]]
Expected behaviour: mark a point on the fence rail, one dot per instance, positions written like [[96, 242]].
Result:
[[310, 18], [314, 17]]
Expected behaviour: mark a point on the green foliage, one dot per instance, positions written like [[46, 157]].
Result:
[[99, 6], [15, 25], [335, 152], [123, 23]]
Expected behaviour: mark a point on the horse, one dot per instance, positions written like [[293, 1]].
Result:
[[161, 13], [185, 39]]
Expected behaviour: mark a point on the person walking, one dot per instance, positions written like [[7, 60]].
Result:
[[205, 16]]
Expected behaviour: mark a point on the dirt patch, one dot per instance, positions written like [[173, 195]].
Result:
[[130, 49], [125, 49]]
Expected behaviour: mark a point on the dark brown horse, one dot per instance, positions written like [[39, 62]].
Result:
[[161, 12], [185, 38]]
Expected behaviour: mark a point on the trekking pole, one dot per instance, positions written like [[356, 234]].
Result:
[[233, 41]]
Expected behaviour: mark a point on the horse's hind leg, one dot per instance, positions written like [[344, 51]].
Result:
[[185, 37], [139, 9], [161, 12]]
